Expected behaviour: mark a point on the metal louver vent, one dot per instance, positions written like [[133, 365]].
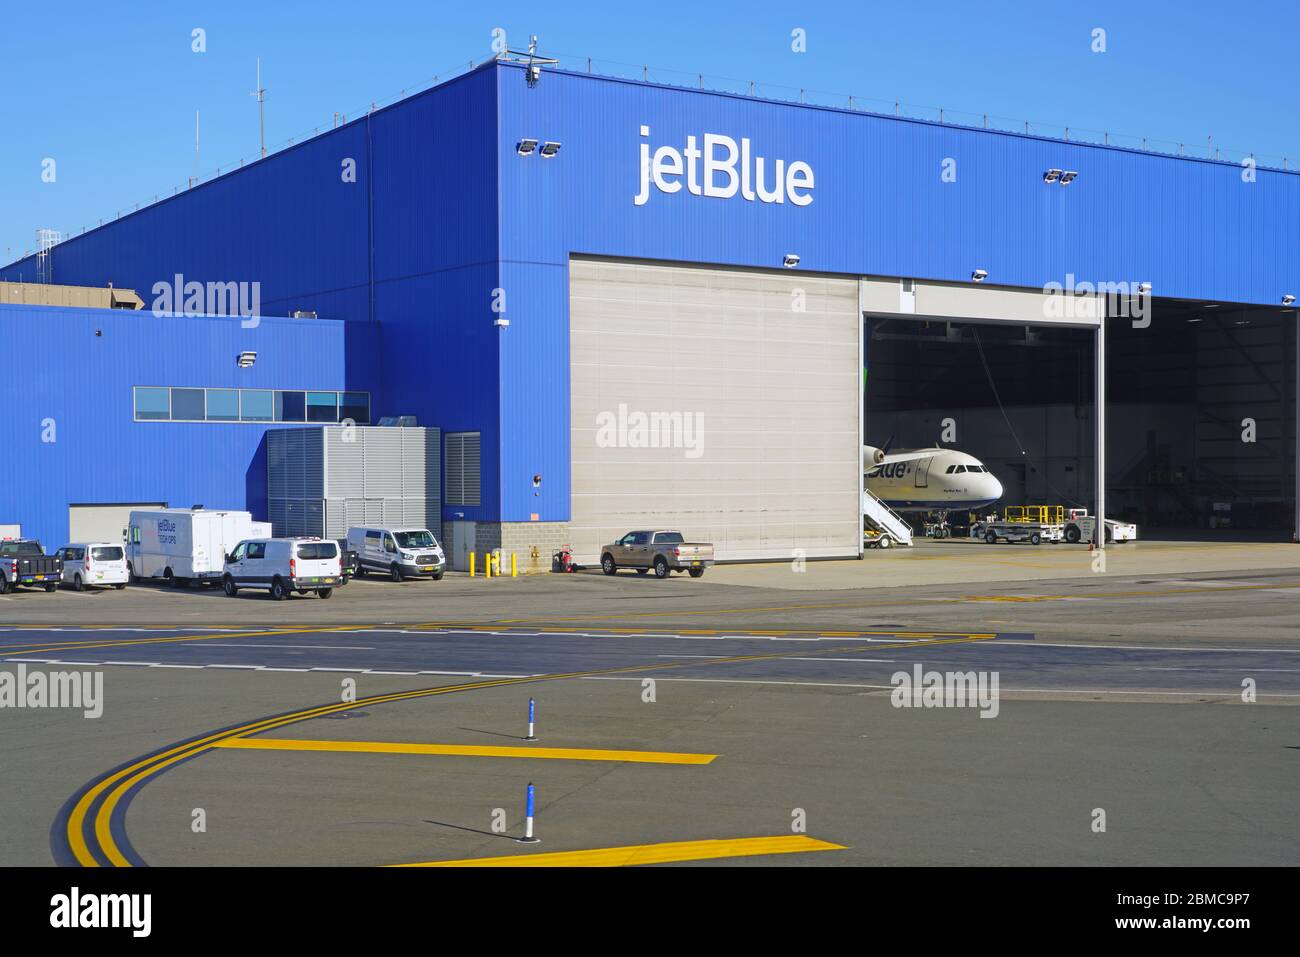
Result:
[[462, 467]]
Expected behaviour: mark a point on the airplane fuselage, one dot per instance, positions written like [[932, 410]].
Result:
[[930, 479]]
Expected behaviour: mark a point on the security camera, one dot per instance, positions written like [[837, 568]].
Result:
[[537, 480], [791, 260], [979, 275]]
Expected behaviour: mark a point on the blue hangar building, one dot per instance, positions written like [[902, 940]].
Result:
[[630, 305]]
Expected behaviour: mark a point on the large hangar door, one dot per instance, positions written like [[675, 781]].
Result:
[[723, 402], [102, 523]]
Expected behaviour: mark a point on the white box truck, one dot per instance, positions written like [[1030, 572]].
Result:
[[181, 545]]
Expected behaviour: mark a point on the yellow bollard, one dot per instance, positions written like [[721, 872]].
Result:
[[471, 564], [514, 566], [487, 564]]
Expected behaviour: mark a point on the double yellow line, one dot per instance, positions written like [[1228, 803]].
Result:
[[102, 797]]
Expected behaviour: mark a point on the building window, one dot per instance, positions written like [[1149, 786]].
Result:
[[184, 404], [223, 405], [354, 406], [153, 403], [461, 463], [322, 406], [188, 405], [256, 405], [291, 407]]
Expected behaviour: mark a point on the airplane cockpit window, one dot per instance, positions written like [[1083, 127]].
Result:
[[961, 468], [949, 470]]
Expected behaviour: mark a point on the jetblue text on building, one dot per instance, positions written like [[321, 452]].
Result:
[[721, 169]]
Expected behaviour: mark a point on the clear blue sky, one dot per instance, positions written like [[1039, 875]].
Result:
[[110, 90]]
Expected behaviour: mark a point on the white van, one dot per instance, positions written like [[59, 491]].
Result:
[[398, 552], [180, 545], [284, 565], [100, 564]]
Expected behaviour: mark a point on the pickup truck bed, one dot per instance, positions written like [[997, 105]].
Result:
[[25, 563], [664, 552]]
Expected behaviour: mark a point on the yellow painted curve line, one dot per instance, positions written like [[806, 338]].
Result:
[[466, 750], [637, 854], [123, 780]]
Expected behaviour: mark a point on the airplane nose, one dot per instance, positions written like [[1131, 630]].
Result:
[[996, 489]]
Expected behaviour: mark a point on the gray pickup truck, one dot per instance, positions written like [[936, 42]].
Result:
[[24, 562], [663, 550]]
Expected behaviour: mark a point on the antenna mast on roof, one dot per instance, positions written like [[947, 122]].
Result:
[[260, 93], [532, 62]]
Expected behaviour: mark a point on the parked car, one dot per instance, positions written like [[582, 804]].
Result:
[[284, 565], [94, 564], [664, 550], [398, 552], [181, 545], [24, 562]]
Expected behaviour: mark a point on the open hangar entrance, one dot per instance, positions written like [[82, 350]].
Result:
[[1207, 394], [1018, 398], [1009, 376], [1200, 411]]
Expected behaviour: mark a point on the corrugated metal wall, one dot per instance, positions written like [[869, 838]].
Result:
[[324, 480], [69, 435], [881, 206], [412, 243], [445, 220]]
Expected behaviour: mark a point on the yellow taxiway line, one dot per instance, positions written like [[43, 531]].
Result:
[[635, 854], [114, 785], [466, 750]]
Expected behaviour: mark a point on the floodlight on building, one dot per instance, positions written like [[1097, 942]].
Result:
[[245, 360], [1067, 176], [979, 275], [1288, 300], [526, 146], [1144, 287], [1051, 176], [790, 261], [550, 148]]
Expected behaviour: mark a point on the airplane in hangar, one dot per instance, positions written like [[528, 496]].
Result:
[[929, 480]]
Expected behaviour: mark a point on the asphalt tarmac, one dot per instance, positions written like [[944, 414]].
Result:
[[1134, 721]]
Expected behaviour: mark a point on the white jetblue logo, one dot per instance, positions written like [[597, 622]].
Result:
[[721, 169]]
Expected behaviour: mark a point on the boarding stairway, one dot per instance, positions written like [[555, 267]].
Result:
[[885, 520]]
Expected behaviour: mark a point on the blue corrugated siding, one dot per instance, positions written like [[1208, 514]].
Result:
[[1193, 229], [425, 190], [444, 213], [288, 222], [99, 453], [436, 265]]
